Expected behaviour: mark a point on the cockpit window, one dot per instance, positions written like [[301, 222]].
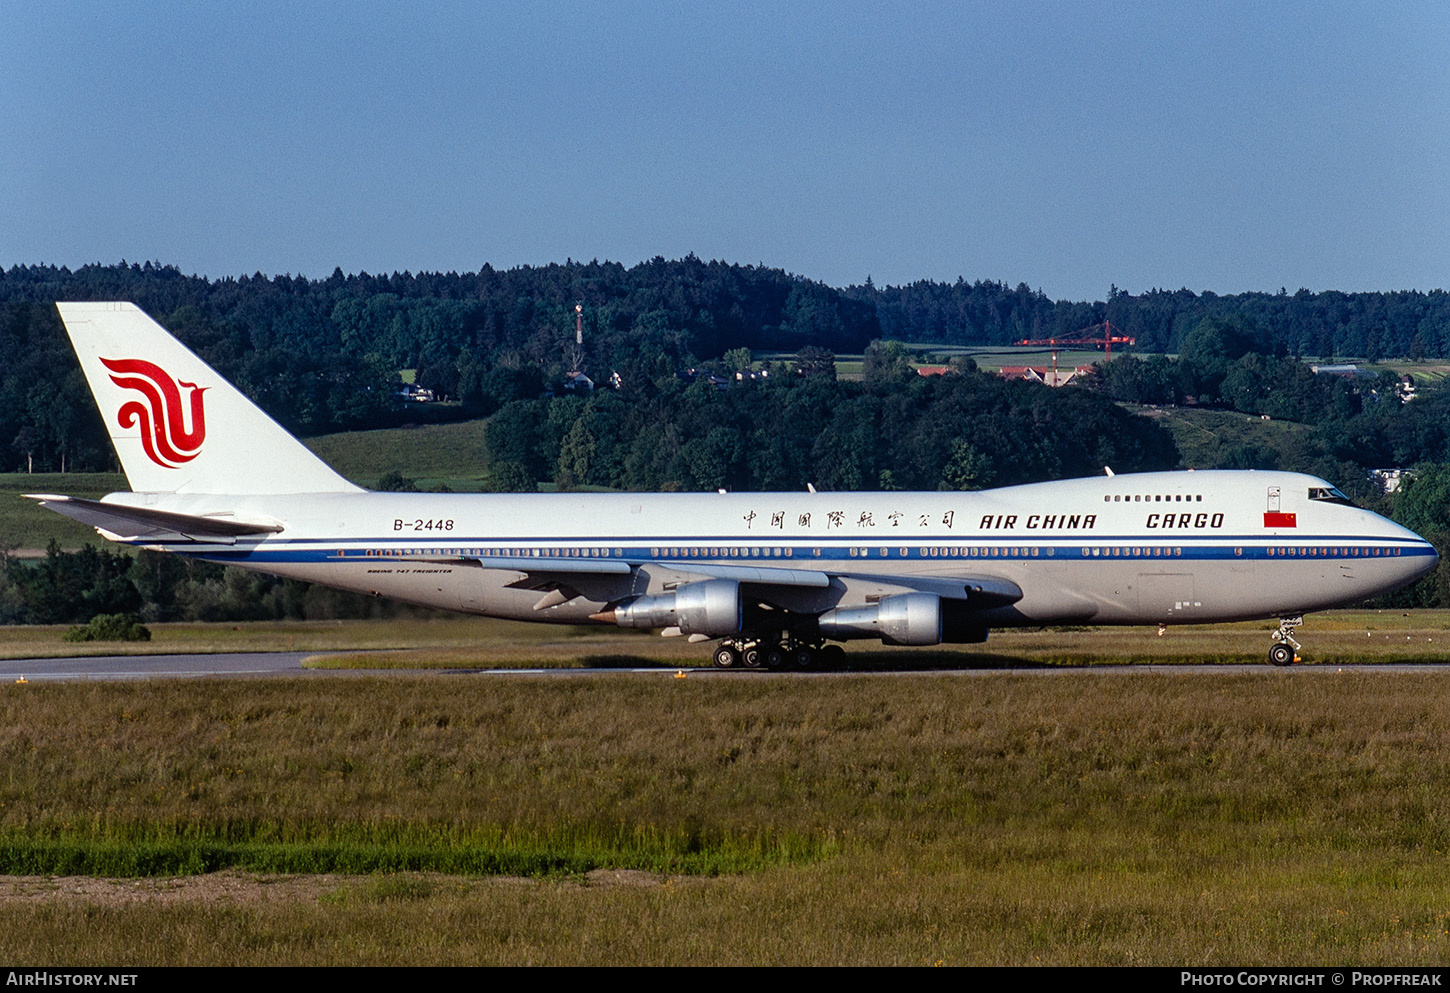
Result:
[[1329, 494]]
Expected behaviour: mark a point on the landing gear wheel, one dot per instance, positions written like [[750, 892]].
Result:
[[775, 657], [1284, 648], [832, 657], [727, 657], [804, 657], [753, 657]]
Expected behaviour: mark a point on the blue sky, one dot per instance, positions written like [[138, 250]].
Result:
[[1071, 146]]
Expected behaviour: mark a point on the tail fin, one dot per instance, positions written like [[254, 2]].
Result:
[[177, 425]]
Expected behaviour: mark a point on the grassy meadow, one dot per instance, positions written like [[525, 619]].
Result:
[[359, 636], [26, 526], [431, 454], [1262, 816], [1424, 372], [1344, 637], [455, 641], [1205, 437]]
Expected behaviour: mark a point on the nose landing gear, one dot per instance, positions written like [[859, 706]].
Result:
[[1285, 650]]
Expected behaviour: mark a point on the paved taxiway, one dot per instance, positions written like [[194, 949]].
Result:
[[149, 666], [253, 664]]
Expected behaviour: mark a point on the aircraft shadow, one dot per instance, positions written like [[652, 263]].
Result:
[[890, 661]]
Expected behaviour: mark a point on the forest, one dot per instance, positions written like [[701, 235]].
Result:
[[323, 354]]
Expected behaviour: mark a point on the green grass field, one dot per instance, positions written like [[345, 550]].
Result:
[[1346, 637], [1080, 818], [25, 525], [427, 634], [1204, 437], [1424, 373], [450, 454], [991, 358]]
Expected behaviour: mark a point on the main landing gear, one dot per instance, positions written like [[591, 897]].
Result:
[[767, 654], [1285, 650]]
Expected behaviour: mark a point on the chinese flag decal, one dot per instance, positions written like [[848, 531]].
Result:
[[1274, 519]]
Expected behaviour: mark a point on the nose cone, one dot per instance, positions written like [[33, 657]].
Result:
[[1428, 558], [1418, 556]]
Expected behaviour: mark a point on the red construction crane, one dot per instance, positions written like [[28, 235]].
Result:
[[1097, 334]]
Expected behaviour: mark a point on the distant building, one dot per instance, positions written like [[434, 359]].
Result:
[[933, 370], [577, 382], [1044, 374], [1389, 480], [691, 375], [413, 393], [1347, 370]]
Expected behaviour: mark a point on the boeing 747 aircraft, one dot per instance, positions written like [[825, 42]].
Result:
[[776, 578]]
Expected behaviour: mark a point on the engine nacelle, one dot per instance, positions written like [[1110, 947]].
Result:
[[902, 619], [710, 607]]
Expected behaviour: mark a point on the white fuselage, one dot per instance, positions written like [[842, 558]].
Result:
[[1178, 547]]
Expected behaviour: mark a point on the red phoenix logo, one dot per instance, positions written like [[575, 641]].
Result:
[[162, 418]]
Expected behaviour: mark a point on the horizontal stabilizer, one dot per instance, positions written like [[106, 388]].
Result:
[[142, 522]]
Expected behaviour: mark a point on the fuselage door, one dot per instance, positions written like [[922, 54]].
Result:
[[1167, 596]]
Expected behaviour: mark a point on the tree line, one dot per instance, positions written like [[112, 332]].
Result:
[[894, 430], [323, 354], [1373, 326]]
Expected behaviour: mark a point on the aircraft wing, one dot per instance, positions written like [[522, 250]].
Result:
[[604, 579], [981, 592], [143, 522]]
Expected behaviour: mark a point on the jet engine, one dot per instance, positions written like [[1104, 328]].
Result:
[[900, 619], [711, 607]]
